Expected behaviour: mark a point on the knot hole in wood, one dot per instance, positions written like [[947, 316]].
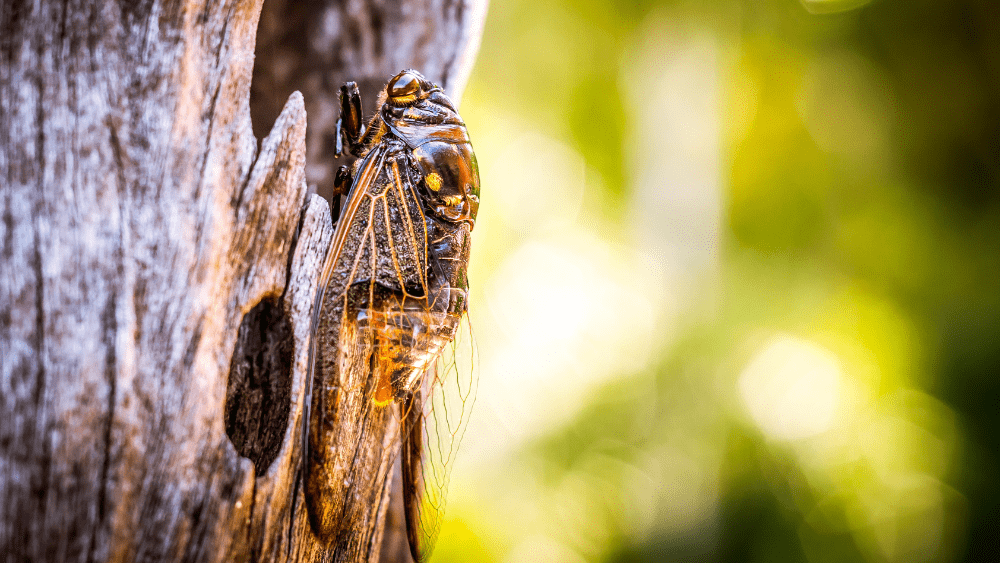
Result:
[[258, 395]]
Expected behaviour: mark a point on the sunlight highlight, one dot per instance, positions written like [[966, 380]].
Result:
[[792, 388]]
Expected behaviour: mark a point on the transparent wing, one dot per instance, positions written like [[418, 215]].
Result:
[[431, 446]]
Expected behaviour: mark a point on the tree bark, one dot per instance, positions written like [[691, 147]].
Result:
[[158, 272]]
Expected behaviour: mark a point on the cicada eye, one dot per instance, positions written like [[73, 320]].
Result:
[[404, 86]]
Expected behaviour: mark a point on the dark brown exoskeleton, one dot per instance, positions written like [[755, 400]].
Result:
[[393, 294]]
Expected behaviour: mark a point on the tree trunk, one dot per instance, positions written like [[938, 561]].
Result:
[[158, 272]]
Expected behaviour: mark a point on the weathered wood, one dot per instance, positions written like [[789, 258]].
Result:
[[282, 528], [157, 272]]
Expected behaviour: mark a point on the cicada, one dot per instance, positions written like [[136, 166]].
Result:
[[392, 356]]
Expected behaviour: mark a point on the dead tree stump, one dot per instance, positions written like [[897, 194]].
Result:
[[158, 269]]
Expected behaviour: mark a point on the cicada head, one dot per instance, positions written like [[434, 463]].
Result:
[[405, 88]]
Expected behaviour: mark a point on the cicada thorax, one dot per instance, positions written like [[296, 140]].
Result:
[[442, 152]]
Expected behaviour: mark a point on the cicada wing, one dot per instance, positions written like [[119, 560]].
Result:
[[379, 246], [435, 422], [339, 359]]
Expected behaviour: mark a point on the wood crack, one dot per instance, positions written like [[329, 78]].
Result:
[[109, 326]]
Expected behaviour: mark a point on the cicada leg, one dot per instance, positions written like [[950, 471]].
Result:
[[341, 186], [350, 124]]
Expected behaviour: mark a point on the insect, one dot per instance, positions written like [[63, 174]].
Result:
[[392, 351]]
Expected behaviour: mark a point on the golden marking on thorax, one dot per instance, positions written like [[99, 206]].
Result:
[[433, 181]]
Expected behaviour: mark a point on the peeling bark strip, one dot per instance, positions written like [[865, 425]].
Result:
[[139, 226]]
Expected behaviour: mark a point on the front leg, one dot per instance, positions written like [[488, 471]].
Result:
[[350, 123], [341, 187]]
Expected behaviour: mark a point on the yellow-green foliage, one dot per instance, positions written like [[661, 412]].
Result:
[[737, 287]]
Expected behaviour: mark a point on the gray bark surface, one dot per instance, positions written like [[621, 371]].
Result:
[[158, 273]]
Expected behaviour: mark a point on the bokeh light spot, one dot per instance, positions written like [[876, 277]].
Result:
[[792, 388]]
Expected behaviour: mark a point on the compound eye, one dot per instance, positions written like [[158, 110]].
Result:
[[406, 85]]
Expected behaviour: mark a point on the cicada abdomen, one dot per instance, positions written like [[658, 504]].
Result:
[[394, 296], [411, 336]]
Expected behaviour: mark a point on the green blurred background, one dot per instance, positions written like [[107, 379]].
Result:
[[736, 283]]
